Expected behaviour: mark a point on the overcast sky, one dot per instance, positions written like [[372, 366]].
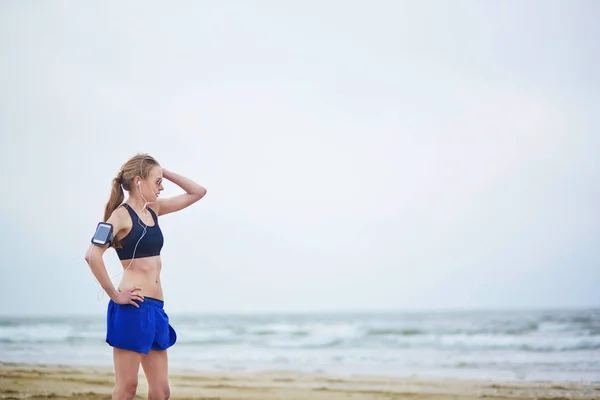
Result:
[[374, 155]]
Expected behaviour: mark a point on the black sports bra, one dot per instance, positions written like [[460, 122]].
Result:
[[151, 243]]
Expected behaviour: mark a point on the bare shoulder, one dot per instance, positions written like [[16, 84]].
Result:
[[119, 219]]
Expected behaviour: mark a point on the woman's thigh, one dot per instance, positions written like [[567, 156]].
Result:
[[127, 366], [156, 369]]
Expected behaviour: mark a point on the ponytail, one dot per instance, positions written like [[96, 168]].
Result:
[[115, 200]]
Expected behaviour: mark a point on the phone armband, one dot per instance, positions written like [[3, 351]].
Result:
[[103, 235]]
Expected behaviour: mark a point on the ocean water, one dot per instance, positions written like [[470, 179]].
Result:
[[507, 345]]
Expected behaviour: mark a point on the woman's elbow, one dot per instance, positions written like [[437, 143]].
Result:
[[89, 255]]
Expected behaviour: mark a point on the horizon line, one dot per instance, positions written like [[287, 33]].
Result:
[[330, 311]]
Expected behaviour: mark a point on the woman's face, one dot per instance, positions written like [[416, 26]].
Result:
[[152, 185]]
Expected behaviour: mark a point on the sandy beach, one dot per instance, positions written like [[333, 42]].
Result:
[[28, 381]]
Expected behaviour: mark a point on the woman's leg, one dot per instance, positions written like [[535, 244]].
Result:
[[127, 366], [156, 368]]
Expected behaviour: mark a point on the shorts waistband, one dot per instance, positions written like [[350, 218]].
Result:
[[151, 302]]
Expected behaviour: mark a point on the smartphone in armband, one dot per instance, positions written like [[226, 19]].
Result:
[[103, 235]]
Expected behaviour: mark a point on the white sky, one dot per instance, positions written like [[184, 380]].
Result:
[[357, 155]]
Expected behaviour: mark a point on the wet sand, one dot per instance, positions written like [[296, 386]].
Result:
[[23, 381]]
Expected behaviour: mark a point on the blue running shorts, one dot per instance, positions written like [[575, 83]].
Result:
[[139, 329]]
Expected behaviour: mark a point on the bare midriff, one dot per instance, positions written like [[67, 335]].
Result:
[[143, 273]]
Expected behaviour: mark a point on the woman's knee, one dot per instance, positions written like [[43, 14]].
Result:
[[126, 389], [162, 392]]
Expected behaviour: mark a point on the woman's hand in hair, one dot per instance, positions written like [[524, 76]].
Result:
[[193, 193]]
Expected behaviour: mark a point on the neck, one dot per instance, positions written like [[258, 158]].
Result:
[[136, 202]]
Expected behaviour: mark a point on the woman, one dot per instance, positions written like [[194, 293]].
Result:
[[138, 329]]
